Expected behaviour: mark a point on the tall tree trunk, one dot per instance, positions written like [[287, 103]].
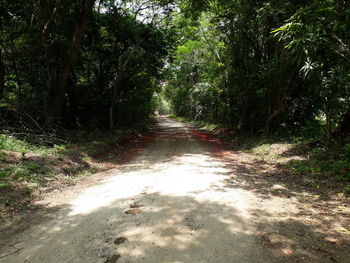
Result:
[[116, 89], [344, 126], [57, 91], [111, 108], [2, 76], [47, 14], [276, 105], [116, 92]]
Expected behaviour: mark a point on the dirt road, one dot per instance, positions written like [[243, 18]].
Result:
[[174, 202]]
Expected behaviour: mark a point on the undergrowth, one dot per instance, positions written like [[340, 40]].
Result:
[[32, 164], [306, 156]]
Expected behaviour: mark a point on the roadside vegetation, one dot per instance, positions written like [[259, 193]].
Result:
[[78, 82], [34, 165], [324, 167]]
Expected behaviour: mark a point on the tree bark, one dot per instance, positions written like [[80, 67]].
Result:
[[116, 90], [111, 107], [274, 115], [344, 126], [57, 91], [2, 77]]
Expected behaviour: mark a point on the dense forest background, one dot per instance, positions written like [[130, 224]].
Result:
[[257, 66], [265, 66], [79, 64]]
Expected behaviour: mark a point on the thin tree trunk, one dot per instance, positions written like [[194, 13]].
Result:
[[111, 107], [2, 76], [116, 89], [115, 96], [110, 117], [15, 69], [328, 119]]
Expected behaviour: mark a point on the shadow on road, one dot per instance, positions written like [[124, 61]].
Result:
[[211, 221]]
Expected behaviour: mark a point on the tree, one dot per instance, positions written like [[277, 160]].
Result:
[[57, 88]]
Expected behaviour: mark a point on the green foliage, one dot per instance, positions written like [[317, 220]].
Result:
[[195, 85], [5, 173], [22, 173], [162, 105], [111, 72], [263, 67], [10, 143], [4, 185], [29, 143], [326, 163], [347, 189], [314, 35]]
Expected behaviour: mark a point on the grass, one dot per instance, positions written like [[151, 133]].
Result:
[[23, 145], [30, 164], [321, 162]]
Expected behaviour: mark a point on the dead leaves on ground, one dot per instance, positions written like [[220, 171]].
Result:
[[120, 240], [135, 209], [113, 259]]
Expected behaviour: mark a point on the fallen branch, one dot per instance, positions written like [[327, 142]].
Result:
[[36, 123], [10, 253]]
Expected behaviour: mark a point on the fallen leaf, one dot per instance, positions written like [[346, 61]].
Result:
[[287, 251], [135, 206], [120, 240], [133, 211], [113, 259], [344, 229]]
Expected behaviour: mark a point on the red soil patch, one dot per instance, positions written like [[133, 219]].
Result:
[[217, 148], [135, 149]]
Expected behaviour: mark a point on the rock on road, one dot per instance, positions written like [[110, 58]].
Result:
[[179, 207]]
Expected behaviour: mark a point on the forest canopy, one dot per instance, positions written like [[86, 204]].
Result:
[[79, 63], [259, 67], [264, 66]]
